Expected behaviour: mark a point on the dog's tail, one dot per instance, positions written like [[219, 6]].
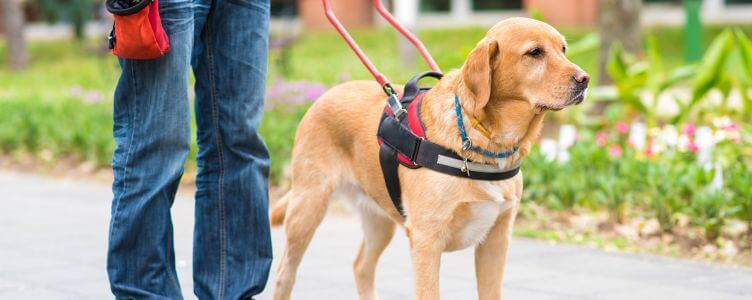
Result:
[[277, 216]]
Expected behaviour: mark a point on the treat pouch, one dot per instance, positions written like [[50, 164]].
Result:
[[137, 32]]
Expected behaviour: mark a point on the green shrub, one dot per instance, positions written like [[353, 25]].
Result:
[[710, 209], [662, 197], [741, 178], [278, 129], [64, 128], [724, 67]]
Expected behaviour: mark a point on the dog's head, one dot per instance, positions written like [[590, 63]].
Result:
[[523, 59]]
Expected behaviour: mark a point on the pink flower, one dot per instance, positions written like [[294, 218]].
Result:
[[314, 91], [689, 129], [732, 131], [622, 127], [601, 138], [77, 91], [93, 97], [692, 147], [649, 149], [615, 151]]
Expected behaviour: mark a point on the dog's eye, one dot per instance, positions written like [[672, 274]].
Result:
[[535, 52], [564, 49]]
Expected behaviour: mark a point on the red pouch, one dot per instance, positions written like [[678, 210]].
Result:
[[137, 32]]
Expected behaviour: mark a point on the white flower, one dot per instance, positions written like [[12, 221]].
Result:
[[721, 122], [637, 135], [549, 149], [567, 136], [670, 136], [720, 136], [682, 143], [704, 137]]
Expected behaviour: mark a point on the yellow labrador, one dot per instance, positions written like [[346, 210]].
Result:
[[516, 73]]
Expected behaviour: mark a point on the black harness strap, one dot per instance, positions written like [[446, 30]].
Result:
[[398, 138], [389, 166]]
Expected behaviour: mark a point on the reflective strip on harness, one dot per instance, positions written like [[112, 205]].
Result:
[[473, 167]]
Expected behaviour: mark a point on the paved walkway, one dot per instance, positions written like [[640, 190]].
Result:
[[53, 234]]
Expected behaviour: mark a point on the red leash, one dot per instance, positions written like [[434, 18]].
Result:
[[380, 78]]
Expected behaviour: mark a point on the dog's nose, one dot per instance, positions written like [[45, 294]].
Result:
[[581, 78]]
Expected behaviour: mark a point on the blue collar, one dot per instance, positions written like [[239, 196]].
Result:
[[467, 144]]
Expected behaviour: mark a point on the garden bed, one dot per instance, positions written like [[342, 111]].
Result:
[[635, 235]]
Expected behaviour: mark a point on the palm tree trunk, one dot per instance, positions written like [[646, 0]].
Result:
[[13, 24]]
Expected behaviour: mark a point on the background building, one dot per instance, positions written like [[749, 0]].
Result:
[[432, 13]]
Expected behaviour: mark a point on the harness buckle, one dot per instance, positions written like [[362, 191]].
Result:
[[400, 113], [396, 107]]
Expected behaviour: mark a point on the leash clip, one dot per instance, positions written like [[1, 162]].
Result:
[[389, 89]]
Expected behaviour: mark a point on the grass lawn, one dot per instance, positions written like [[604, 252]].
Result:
[[61, 105], [324, 57]]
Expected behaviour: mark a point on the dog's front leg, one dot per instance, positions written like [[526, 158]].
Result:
[[426, 255], [491, 255]]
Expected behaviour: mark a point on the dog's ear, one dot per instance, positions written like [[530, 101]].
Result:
[[477, 73]]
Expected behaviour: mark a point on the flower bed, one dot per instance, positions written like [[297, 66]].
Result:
[[692, 183]]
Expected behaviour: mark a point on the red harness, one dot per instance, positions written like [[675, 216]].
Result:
[[415, 124], [402, 141]]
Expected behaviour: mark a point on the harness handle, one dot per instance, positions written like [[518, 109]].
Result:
[[380, 78], [412, 87]]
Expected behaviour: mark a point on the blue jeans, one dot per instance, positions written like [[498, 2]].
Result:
[[225, 42]]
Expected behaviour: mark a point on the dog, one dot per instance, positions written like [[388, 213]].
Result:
[[513, 76]]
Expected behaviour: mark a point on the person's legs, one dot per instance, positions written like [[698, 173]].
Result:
[[152, 132], [232, 244]]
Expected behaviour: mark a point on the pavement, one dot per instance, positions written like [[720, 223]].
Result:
[[53, 235]]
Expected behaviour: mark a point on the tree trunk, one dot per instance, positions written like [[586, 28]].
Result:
[[406, 12], [619, 21], [13, 24]]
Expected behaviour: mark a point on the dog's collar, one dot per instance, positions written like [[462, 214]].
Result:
[[475, 123], [467, 144]]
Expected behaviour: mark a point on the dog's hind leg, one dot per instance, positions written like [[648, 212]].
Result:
[[306, 208], [378, 231]]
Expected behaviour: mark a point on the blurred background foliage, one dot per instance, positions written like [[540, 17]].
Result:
[[63, 71], [59, 108], [77, 12]]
